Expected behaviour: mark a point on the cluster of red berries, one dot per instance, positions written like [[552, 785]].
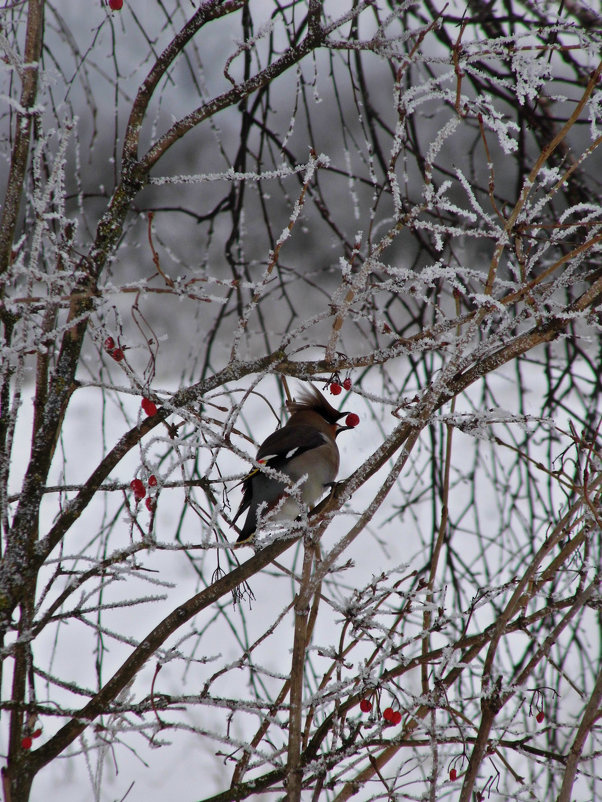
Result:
[[389, 715], [392, 716], [113, 350], [139, 491], [27, 740], [336, 388]]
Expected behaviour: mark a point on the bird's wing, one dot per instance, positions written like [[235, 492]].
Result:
[[289, 442], [277, 449]]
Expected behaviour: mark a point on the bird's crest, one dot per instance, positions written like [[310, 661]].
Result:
[[310, 398]]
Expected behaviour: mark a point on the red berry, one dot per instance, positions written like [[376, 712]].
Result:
[[152, 480], [453, 774], [352, 419], [396, 718], [117, 354], [150, 504], [540, 717], [149, 406], [365, 705], [335, 388], [26, 742], [388, 714], [115, 5], [36, 733], [347, 383], [109, 344], [138, 488]]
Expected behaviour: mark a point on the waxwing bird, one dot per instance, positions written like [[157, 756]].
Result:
[[304, 446]]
